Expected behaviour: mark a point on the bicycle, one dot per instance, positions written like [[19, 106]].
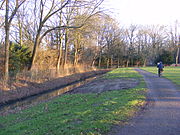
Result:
[[160, 70]]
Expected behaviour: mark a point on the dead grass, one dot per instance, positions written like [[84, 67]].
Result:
[[42, 75], [23, 88]]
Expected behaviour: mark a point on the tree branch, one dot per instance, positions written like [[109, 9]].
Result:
[[59, 27], [15, 10], [2, 4], [49, 15]]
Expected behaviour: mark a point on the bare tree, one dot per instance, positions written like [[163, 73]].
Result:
[[44, 18], [177, 41], [177, 55], [131, 36], [41, 23], [8, 20], [143, 44]]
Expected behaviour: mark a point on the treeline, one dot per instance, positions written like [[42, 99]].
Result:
[[56, 34]]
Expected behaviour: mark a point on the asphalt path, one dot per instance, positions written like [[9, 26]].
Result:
[[162, 116]]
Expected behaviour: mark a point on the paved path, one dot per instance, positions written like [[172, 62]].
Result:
[[162, 117]]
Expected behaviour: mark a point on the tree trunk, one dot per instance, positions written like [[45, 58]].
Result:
[[20, 34], [100, 57], [76, 45], [111, 61], [75, 56], [93, 62], [144, 65], [127, 64], [177, 56], [6, 61], [35, 50], [66, 48], [132, 62], [59, 55], [118, 62], [60, 43], [6, 67], [107, 62]]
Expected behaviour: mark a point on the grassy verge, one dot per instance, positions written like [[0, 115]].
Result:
[[78, 114], [172, 73]]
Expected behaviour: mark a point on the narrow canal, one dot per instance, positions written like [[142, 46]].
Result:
[[18, 105]]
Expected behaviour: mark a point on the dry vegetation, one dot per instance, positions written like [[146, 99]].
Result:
[[24, 88]]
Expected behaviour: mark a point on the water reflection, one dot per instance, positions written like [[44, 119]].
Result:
[[19, 105]]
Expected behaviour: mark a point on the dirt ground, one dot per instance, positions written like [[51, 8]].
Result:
[[101, 85]]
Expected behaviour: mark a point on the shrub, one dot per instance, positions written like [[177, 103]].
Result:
[[19, 58], [166, 57]]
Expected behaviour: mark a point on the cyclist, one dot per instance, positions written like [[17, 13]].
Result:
[[160, 67]]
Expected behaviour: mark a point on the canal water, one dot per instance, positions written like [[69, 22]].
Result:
[[33, 100]]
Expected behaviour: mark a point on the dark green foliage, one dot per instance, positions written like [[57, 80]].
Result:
[[136, 60], [166, 57], [19, 58]]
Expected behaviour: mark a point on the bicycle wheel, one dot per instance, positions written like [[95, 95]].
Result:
[[159, 72]]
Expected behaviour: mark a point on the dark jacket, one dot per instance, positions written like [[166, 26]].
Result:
[[160, 65]]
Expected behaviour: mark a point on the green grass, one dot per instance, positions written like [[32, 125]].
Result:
[[172, 73], [78, 114], [123, 72]]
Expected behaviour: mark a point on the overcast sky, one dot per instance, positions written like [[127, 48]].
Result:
[[163, 12]]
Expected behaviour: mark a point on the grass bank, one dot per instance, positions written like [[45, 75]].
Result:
[[79, 114], [172, 73]]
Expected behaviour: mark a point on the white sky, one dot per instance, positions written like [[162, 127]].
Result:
[[146, 12]]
